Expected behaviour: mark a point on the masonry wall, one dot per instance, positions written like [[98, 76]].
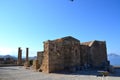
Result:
[[56, 56], [94, 53], [68, 54], [45, 62], [61, 54], [85, 55], [98, 53], [35, 65], [40, 57], [71, 52], [64, 55]]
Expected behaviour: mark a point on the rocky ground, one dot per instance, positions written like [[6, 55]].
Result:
[[20, 73]]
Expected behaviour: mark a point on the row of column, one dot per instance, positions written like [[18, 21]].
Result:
[[19, 61]]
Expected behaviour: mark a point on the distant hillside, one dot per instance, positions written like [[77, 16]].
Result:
[[114, 59], [1, 56], [8, 56]]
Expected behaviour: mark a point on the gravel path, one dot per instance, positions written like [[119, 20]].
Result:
[[19, 73]]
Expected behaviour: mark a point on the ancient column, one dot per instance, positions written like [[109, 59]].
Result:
[[19, 62], [20, 56], [27, 54], [26, 64]]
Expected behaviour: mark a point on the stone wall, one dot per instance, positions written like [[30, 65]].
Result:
[[61, 54], [69, 54], [45, 62], [94, 53], [98, 53], [40, 57], [35, 65], [85, 55], [71, 50], [56, 57]]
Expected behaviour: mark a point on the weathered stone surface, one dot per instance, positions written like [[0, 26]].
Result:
[[27, 64], [61, 54], [40, 57], [27, 52], [69, 54], [98, 53], [35, 65], [45, 62], [19, 62], [85, 55], [94, 53]]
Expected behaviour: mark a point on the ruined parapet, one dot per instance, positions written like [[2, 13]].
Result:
[[19, 61], [40, 57], [35, 65], [45, 62], [38, 62]]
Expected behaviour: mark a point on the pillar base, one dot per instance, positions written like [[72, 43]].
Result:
[[26, 64]]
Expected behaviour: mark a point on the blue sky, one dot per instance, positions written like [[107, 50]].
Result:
[[28, 23]]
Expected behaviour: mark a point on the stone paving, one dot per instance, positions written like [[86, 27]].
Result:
[[20, 73]]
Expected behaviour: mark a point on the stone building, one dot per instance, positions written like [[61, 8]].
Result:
[[94, 53], [38, 62], [61, 54], [69, 54]]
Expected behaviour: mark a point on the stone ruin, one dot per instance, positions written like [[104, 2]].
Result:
[[19, 61], [27, 64], [94, 53], [37, 62], [68, 54], [40, 57]]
